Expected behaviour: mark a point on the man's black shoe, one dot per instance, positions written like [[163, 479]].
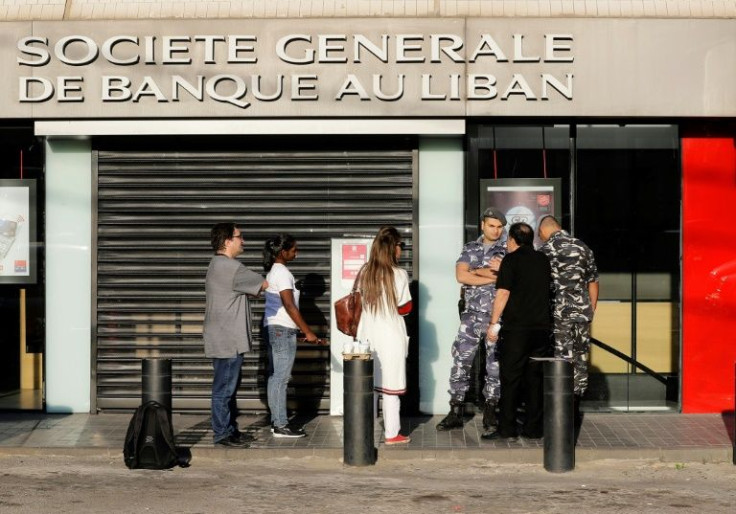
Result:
[[243, 437], [495, 435], [450, 422], [231, 441], [577, 413], [532, 436], [489, 415], [454, 419]]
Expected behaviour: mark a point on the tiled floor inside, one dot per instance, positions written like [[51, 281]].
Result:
[[600, 431]]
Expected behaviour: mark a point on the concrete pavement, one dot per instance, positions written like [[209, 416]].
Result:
[[666, 437]]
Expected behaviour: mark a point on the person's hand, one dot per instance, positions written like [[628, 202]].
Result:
[[311, 338], [495, 264], [264, 286], [492, 332], [484, 272]]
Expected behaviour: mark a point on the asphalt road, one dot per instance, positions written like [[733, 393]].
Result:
[[93, 483]]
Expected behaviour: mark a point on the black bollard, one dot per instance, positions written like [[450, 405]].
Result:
[[156, 384], [559, 426], [358, 445]]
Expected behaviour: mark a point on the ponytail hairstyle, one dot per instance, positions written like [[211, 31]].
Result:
[[274, 246], [377, 278]]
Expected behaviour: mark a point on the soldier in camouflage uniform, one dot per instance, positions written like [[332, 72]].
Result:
[[476, 270], [575, 283]]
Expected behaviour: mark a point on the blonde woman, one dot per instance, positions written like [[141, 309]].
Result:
[[385, 293]]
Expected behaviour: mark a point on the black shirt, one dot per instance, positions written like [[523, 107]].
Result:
[[526, 273]]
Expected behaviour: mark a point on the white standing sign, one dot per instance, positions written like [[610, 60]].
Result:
[[347, 257]]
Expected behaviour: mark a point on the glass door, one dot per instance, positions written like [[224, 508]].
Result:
[[621, 194], [627, 208]]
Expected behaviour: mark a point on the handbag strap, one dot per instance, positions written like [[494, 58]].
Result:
[[357, 278]]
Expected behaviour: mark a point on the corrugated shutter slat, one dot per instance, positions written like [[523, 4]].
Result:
[[154, 213]]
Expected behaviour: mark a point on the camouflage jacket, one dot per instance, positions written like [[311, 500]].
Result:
[[573, 268], [475, 255]]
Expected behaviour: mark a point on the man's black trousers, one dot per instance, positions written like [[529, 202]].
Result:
[[522, 376]]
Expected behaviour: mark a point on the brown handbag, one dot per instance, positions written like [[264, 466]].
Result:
[[348, 310]]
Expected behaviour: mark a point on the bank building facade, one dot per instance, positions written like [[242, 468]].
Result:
[[130, 128]]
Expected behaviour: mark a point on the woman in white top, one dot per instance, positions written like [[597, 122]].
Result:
[[385, 295], [282, 320]]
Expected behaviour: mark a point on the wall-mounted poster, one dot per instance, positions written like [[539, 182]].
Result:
[[353, 258], [523, 200], [17, 231]]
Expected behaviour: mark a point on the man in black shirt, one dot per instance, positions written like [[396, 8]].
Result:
[[523, 297]]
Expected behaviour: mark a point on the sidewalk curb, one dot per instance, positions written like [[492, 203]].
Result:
[[702, 455]]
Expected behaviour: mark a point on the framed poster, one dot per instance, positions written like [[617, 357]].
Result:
[[523, 199], [18, 231]]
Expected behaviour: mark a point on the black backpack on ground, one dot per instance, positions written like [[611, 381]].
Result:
[[149, 442]]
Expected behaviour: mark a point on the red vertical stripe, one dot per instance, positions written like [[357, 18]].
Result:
[[709, 274]]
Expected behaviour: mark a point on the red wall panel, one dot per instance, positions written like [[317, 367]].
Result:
[[709, 274]]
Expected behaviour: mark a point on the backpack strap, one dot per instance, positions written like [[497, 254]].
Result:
[[166, 428], [139, 416]]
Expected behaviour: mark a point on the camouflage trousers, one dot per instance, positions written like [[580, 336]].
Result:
[[472, 331], [572, 343]]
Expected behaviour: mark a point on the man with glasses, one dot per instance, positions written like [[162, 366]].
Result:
[[228, 327]]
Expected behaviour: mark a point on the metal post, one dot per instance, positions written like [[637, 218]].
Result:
[[559, 427], [358, 444], [156, 383]]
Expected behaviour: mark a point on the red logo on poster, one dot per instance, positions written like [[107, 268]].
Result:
[[20, 266], [543, 200], [353, 258]]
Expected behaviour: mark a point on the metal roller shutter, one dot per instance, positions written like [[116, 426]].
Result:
[[154, 213]]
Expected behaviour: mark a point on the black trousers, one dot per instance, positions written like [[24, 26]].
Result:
[[522, 376]]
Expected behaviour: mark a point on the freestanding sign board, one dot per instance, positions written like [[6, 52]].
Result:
[[347, 257]]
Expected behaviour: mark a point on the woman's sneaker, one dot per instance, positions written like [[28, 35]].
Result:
[[285, 431], [399, 439]]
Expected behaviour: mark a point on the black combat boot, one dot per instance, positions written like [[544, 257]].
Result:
[[490, 420], [454, 419], [576, 412]]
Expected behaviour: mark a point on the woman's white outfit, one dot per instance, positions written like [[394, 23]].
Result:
[[385, 332]]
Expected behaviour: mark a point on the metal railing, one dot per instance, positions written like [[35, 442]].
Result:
[[633, 362]]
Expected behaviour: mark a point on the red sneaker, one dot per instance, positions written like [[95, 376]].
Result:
[[399, 439]]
